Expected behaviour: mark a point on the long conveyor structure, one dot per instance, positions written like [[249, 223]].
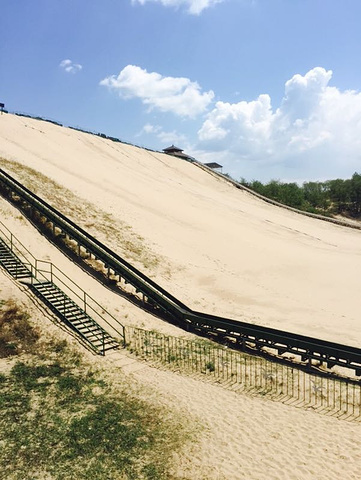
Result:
[[242, 335]]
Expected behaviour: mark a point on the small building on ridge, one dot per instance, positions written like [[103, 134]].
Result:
[[214, 166], [177, 152]]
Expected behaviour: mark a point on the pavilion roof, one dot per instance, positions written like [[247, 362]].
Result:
[[213, 165]]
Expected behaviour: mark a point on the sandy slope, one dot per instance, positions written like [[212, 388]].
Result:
[[221, 251], [228, 252]]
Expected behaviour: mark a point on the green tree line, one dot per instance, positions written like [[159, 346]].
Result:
[[331, 197]]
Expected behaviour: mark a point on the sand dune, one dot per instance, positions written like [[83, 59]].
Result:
[[220, 250], [225, 251]]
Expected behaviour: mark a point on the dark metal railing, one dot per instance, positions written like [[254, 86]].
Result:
[[44, 271], [247, 373]]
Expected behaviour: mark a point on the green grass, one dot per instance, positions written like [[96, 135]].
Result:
[[61, 418]]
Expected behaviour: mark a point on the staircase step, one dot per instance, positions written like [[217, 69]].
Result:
[[95, 339], [24, 275], [90, 330], [51, 293], [44, 285], [18, 269], [72, 309], [18, 272], [54, 294], [60, 302], [7, 257], [46, 289], [14, 266], [80, 325], [11, 261], [79, 318], [83, 319]]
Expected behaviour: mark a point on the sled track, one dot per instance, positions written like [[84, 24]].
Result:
[[304, 351]]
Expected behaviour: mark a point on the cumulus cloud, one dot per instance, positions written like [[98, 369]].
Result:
[[70, 67], [148, 129], [194, 7], [316, 129], [164, 137], [173, 137], [179, 95]]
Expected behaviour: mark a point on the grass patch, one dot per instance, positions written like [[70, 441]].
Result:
[[210, 366], [61, 418], [16, 333]]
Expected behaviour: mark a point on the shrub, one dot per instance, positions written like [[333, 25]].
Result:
[[210, 366], [16, 333]]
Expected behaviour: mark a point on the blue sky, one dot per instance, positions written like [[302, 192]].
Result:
[[268, 88]]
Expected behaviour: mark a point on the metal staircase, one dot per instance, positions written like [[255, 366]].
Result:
[[74, 316], [61, 304], [12, 263]]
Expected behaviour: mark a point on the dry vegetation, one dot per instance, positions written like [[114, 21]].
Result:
[[62, 418], [96, 221], [17, 335]]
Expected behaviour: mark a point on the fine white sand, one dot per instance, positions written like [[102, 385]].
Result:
[[222, 251], [228, 252]]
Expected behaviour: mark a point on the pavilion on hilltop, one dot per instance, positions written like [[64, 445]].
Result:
[[177, 152]]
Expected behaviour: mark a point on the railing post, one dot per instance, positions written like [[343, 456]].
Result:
[[124, 342], [85, 302]]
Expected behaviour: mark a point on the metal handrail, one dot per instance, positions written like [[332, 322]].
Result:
[[39, 275]]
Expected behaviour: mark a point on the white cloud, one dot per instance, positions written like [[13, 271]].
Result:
[[194, 7], [70, 67], [173, 137], [165, 138], [148, 128], [315, 132], [179, 95]]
